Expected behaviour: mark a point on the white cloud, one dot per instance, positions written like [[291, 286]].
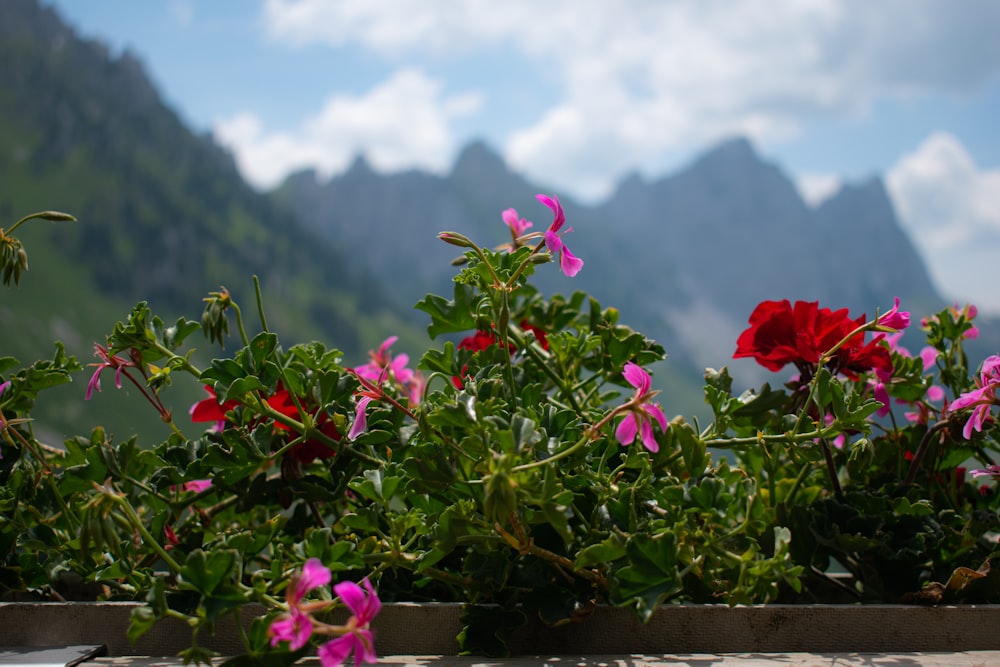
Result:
[[401, 123], [640, 79], [817, 188], [952, 209]]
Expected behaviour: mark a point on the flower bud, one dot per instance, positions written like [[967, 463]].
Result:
[[456, 239], [55, 216], [500, 501]]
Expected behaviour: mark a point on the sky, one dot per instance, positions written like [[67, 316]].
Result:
[[578, 94]]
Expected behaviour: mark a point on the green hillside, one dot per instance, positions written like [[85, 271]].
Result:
[[163, 216]]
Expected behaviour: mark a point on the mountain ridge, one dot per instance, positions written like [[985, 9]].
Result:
[[163, 215], [166, 216]]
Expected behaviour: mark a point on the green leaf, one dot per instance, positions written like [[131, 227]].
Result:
[[242, 386], [262, 347], [651, 576], [903, 507], [449, 316], [610, 549], [205, 572]]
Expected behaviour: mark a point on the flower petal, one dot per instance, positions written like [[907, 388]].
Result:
[[334, 652], [648, 439], [314, 574], [553, 203], [360, 418], [636, 376], [553, 242], [569, 263], [627, 430], [352, 596]]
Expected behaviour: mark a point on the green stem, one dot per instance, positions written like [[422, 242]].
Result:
[[831, 468], [260, 303], [589, 436], [139, 526], [503, 330], [789, 438], [54, 216], [797, 484], [517, 272], [922, 448], [239, 323]]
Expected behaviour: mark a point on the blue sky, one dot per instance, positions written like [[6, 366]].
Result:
[[578, 93]]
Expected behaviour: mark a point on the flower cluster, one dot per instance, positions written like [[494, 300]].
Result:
[[805, 334], [523, 459], [982, 398], [297, 625], [281, 404]]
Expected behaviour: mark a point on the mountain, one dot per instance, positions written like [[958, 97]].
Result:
[[164, 215], [685, 258]]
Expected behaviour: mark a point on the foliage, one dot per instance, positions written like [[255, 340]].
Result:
[[524, 467]]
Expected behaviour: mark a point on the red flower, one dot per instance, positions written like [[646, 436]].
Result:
[[780, 334], [210, 410], [305, 452], [479, 341], [482, 340]]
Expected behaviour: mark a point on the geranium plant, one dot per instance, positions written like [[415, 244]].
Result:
[[523, 465]]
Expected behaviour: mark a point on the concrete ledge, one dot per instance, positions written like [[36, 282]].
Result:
[[430, 629]]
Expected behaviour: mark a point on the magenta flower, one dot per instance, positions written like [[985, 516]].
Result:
[[553, 203], [198, 485], [882, 396], [360, 424], [114, 362], [358, 639], [894, 319], [992, 470], [382, 360], [569, 263], [518, 226], [980, 399], [638, 419], [296, 626], [928, 355], [384, 366]]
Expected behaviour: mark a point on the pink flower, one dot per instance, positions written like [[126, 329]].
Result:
[[360, 424], [569, 263], [382, 360], [929, 356], [358, 639], [638, 419], [882, 396], [107, 361], [980, 399], [553, 203], [518, 226], [198, 485], [383, 366], [295, 627], [992, 470], [895, 319]]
